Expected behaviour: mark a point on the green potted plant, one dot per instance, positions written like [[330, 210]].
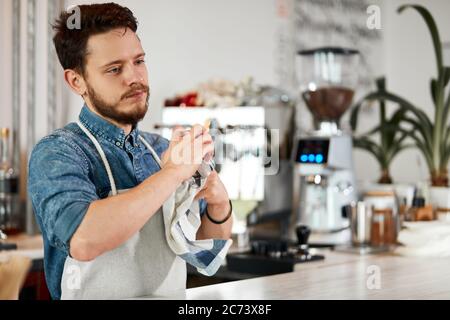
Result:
[[391, 140], [430, 135]]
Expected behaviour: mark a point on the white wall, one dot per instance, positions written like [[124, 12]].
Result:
[[5, 64], [190, 41]]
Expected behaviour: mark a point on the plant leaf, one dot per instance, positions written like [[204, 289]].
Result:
[[388, 132], [355, 113], [446, 75], [371, 147], [385, 135], [396, 146], [445, 154], [446, 109], [398, 116], [371, 131], [426, 15], [433, 90], [422, 117], [428, 155], [381, 85], [426, 136], [445, 143], [397, 149], [447, 135]]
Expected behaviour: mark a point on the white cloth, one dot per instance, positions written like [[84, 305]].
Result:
[[182, 220]]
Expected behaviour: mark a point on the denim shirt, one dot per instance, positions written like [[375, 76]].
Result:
[[66, 174]]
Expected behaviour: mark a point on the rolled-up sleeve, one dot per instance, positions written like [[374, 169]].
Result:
[[60, 189]]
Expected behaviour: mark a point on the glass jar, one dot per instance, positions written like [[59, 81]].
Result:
[[383, 228], [385, 222]]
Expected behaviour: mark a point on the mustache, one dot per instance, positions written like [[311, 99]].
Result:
[[134, 90]]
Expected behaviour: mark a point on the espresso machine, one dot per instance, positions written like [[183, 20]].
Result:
[[323, 177]]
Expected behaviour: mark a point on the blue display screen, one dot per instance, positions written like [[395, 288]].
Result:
[[312, 151]]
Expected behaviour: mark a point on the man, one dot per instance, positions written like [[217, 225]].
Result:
[[74, 171]]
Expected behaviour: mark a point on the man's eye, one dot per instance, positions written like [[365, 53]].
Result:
[[114, 70], [140, 61]]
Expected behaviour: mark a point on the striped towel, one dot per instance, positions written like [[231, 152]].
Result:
[[182, 220]]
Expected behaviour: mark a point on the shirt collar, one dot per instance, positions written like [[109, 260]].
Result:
[[100, 127]]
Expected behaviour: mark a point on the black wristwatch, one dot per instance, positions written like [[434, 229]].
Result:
[[221, 221]]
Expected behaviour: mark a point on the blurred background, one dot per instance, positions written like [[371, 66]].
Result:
[[195, 41], [223, 58], [189, 42]]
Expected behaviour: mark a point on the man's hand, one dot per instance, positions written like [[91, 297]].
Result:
[[215, 194], [186, 150]]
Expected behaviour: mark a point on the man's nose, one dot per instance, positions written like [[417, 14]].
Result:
[[132, 75]]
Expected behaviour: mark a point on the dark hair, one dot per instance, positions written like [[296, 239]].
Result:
[[71, 43]]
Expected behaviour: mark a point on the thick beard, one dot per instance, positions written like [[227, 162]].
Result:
[[111, 111]]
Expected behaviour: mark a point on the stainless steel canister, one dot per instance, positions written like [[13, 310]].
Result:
[[360, 223]]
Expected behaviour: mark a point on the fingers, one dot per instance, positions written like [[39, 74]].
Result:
[[207, 188], [212, 179], [208, 192], [204, 142], [200, 195], [191, 147], [206, 138], [207, 150], [208, 157], [196, 132], [177, 133]]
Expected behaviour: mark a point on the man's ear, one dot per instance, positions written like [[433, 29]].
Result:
[[75, 81]]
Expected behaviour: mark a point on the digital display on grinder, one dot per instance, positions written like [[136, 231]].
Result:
[[314, 151]]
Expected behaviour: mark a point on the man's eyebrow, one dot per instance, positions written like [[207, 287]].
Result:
[[142, 54]]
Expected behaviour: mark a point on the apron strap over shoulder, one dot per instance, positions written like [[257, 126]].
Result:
[[152, 151], [102, 155]]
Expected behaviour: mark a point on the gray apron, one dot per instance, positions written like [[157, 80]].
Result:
[[144, 265]]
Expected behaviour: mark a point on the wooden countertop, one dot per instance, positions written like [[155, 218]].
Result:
[[30, 246], [339, 276], [344, 276], [26, 242]]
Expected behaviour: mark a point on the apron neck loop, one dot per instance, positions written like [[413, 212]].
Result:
[[105, 161], [152, 151]]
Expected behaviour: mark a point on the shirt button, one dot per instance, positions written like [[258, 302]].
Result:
[[118, 144]]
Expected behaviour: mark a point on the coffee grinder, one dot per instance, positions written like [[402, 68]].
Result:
[[323, 178]]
